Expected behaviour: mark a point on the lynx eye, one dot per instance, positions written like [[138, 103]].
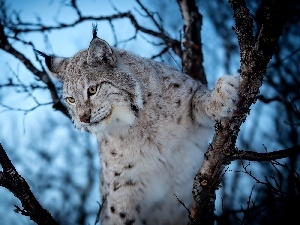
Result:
[[70, 99], [92, 90]]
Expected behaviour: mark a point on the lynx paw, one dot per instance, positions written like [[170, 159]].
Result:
[[224, 97]]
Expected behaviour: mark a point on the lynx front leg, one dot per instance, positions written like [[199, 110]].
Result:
[[218, 103]]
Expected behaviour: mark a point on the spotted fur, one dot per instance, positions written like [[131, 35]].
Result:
[[153, 124]]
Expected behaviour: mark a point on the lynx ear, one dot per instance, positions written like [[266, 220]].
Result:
[[99, 52], [55, 65]]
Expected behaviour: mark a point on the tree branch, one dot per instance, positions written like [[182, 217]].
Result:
[[42, 75], [192, 56], [254, 55], [25, 27], [267, 156], [16, 184]]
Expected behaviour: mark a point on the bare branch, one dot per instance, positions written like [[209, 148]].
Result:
[[192, 57], [42, 75], [151, 16], [163, 51], [15, 183], [267, 156], [254, 55], [26, 27]]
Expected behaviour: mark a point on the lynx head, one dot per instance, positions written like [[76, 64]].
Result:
[[98, 93]]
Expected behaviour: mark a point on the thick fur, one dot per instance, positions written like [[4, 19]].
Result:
[[153, 124]]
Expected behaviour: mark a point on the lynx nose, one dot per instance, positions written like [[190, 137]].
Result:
[[85, 118]]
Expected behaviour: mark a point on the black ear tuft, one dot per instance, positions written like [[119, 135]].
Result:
[[95, 29]]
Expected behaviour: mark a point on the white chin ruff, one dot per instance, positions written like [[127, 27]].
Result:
[[121, 116]]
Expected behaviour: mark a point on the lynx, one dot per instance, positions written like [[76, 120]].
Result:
[[153, 124]]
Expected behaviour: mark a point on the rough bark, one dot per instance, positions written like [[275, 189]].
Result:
[[16, 184], [255, 53], [192, 56]]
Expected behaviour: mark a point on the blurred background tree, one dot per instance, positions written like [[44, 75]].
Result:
[[61, 164]]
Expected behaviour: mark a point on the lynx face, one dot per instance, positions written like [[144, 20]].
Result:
[[97, 93], [94, 107]]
